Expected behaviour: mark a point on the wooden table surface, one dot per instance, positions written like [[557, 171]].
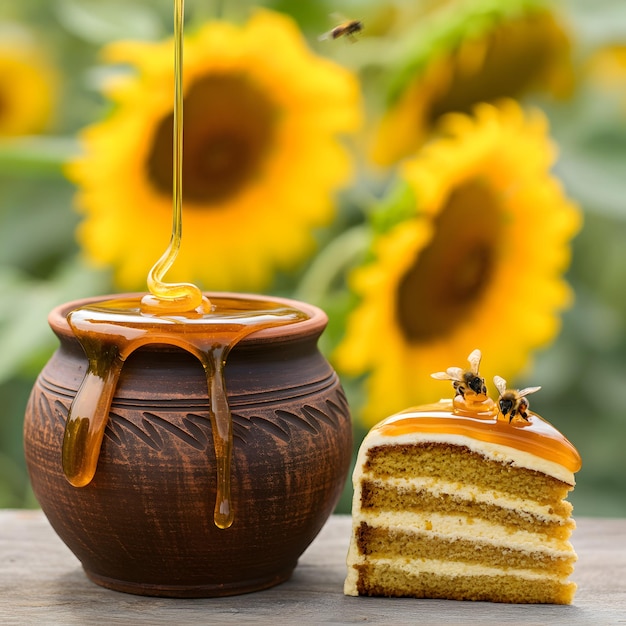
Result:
[[41, 582]]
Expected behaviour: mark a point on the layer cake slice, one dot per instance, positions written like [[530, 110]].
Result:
[[453, 501]]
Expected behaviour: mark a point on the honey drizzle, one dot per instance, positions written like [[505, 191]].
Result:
[[535, 436], [111, 330], [172, 313], [174, 297]]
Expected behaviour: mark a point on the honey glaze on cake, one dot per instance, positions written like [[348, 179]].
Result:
[[480, 421]]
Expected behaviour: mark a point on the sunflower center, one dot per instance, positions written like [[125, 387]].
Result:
[[446, 281], [5, 107], [518, 54], [229, 126]]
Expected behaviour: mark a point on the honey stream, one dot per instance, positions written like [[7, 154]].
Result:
[[174, 297], [176, 314]]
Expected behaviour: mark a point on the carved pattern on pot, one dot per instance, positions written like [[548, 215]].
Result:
[[196, 427]]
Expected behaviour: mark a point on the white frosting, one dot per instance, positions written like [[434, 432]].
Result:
[[352, 577]]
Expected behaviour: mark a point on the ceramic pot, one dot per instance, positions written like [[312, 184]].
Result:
[[144, 524]]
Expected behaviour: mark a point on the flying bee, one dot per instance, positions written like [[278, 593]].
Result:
[[465, 380], [511, 401], [347, 29]]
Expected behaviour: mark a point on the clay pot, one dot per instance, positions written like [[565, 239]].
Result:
[[144, 524]]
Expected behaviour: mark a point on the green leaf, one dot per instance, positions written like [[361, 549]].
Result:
[[398, 206], [590, 131], [36, 157], [24, 307], [598, 21], [37, 224], [100, 22], [597, 183]]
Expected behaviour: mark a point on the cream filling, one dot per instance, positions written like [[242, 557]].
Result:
[[460, 527], [470, 493], [454, 568], [492, 451]]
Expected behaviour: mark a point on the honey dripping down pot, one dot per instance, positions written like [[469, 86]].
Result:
[[145, 522], [112, 330]]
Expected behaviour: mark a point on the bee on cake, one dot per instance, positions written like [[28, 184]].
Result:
[[465, 381], [513, 402]]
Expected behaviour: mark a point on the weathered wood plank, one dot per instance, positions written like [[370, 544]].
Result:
[[42, 582]]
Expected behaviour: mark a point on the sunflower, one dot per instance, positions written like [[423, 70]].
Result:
[[485, 50], [261, 156], [470, 254], [607, 67], [28, 85]]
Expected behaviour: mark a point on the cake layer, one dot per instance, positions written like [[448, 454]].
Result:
[[406, 544], [454, 526], [383, 496], [437, 579], [460, 464], [461, 491]]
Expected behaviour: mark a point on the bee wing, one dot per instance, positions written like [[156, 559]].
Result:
[[452, 373], [527, 390], [455, 373], [474, 360], [441, 376], [339, 19], [500, 383]]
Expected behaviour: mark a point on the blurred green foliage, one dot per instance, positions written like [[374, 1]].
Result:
[[583, 374]]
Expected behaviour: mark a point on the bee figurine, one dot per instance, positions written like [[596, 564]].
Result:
[[465, 380], [511, 401], [347, 29]]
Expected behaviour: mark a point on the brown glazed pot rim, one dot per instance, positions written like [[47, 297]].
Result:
[[313, 326]]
